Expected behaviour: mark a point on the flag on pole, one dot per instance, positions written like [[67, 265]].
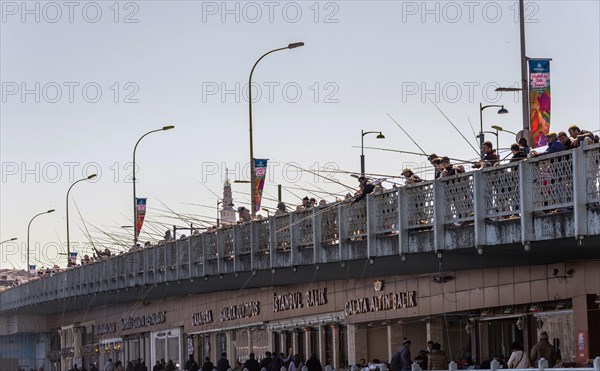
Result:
[[141, 214], [260, 171], [539, 101]]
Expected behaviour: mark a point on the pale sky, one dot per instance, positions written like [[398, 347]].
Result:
[[82, 81]]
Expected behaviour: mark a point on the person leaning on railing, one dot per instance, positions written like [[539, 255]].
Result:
[[490, 157], [553, 146]]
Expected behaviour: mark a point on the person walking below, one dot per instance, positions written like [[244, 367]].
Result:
[[251, 363], [437, 358], [518, 359], [223, 363], [109, 366], [207, 365], [405, 354], [313, 363], [543, 349]]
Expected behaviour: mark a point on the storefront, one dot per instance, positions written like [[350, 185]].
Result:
[[167, 345]]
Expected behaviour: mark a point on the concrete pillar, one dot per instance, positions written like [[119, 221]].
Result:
[[322, 340], [230, 347], [282, 342], [250, 341], [394, 339], [213, 347], [335, 330], [435, 332], [270, 341], [357, 343], [585, 320], [295, 344], [307, 343]]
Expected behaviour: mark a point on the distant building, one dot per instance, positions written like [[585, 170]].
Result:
[[228, 214]]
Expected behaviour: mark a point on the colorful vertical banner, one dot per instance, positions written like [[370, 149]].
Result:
[[32, 270], [73, 257], [260, 171], [539, 101], [140, 204]]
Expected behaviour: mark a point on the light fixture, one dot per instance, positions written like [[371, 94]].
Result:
[[403, 257], [527, 246], [502, 111], [273, 271], [580, 240], [294, 268], [480, 250], [380, 136], [317, 267], [468, 327], [520, 323], [540, 323], [439, 255], [371, 260], [206, 277], [221, 276], [343, 264]]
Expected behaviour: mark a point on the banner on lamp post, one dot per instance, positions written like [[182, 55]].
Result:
[[140, 205], [32, 270], [73, 257], [260, 171], [539, 101]]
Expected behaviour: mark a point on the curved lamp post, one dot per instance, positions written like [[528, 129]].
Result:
[[68, 236], [362, 147], [10, 239], [501, 111], [252, 195], [28, 228], [135, 234]]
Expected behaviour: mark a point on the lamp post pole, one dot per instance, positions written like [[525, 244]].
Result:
[[135, 233], [362, 147], [252, 193], [524, 80], [501, 111], [67, 208], [28, 229]]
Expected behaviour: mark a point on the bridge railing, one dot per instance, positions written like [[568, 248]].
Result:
[[452, 212]]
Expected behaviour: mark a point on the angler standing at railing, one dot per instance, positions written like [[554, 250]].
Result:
[[364, 189], [553, 146]]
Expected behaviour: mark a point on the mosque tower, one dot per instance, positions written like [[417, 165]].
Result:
[[228, 213]]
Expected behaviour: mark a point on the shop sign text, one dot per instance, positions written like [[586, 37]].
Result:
[[106, 328], [295, 300], [382, 302], [245, 310], [143, 321], [202, 318]]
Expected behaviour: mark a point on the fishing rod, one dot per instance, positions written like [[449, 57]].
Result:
[[411, 138], [394, 150], [322, 176], [454, 126]]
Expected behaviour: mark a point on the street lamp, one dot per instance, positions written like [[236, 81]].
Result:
[[501, 111], [28, 228], [68, 237], [135, 233], [10, 239], [252, 195], [362, 148], [499, 128]]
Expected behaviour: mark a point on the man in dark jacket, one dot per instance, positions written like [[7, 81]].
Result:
[[553, 146], [223, 363], [207, 365], [565, 140], [190, 362], [364, 190], [265, 362], [405, 358], [517, 153], [543, 349], [313, 363], [252, 364]]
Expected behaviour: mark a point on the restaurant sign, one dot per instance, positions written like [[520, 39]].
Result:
[[295, 300], [106, 328], [202, 318], [380, 303], [245, 310], [143, 321]]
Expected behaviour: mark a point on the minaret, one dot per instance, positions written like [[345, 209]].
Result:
[[228, 214]]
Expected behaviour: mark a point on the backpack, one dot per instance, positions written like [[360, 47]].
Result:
[[396, 362]]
